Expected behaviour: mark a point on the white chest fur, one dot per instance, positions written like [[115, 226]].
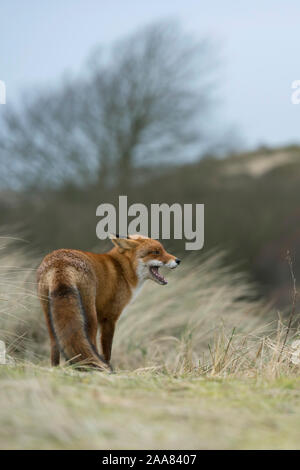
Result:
[[136, 291], [141, 281]]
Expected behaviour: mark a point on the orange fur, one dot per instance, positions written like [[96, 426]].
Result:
[[81, 290]]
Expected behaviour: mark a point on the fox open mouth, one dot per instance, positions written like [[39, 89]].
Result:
[[157, 276]]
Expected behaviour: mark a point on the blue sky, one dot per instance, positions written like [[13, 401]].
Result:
[[40, 41]]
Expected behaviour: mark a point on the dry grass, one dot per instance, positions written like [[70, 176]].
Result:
[[204, 322], [42, 408], [200, 364], [21, 323]]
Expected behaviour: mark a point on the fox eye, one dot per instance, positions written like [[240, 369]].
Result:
[[155, 252]]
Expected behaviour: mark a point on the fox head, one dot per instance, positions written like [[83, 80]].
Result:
[[146, 256]]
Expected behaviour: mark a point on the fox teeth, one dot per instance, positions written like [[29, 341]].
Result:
[[157, 275]]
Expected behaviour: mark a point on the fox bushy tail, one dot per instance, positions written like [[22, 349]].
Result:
[[69, 324]]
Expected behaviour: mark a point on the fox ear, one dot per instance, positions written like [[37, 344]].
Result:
[[123, 243]]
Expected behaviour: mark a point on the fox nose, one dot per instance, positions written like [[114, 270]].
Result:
[[177, 260]]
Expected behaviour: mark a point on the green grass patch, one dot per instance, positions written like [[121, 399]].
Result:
[[61, 408]]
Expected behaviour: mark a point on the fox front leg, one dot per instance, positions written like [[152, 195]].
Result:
[[107, 328]]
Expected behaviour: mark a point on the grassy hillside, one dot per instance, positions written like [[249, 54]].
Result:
[[63, 409], [198, 364]]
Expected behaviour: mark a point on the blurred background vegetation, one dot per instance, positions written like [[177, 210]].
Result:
[[139, 121]]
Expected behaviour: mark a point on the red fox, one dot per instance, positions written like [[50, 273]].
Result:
[[80, 290]]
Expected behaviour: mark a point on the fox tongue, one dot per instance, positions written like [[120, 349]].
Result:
[[157, 275]]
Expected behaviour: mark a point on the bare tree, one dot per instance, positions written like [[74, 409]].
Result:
[[145, 101], [42, 143]]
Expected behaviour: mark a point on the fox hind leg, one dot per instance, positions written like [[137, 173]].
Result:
[[88, 305], [55, 353], [54, 349]]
